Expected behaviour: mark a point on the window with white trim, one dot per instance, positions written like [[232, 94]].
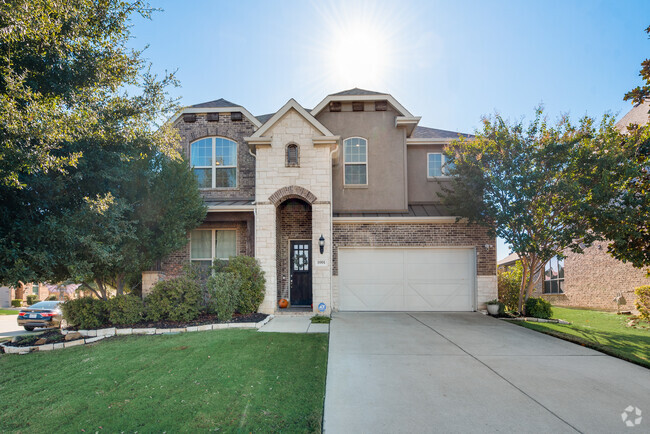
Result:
[[206, 245], [214, 161], [554, 276], [437, 165], [355, 161]]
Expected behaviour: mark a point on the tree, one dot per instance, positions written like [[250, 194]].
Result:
[[640, 93], [531, 185], [81, 146]]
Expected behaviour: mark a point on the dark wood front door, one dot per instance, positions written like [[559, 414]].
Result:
[[300, 263]]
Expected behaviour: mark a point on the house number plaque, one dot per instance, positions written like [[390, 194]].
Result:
[[321, 262]]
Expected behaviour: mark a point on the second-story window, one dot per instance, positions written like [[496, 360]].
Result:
[[214, 161], [355, 161], [292, 154], [437, 165]]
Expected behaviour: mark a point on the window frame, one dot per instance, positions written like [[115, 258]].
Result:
[[213, 244], [214, 167], [547, 288], [443, 168], [356, 163], [286, 152]]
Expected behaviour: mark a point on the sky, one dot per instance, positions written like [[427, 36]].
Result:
[[450, 62]]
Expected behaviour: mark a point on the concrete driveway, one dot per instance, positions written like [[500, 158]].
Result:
[[9, 326], [466, 372]]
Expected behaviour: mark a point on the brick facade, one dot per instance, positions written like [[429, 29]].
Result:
[[417, 235], [233, 130], [594, 278], [293, 219]]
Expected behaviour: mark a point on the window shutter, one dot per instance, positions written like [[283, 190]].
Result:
[[335, 106], [212, 117], [189, 118], [357, 106], [236, 116]]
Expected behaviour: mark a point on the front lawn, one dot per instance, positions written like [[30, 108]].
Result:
[[8, 312], [226, 380], [603, 331]]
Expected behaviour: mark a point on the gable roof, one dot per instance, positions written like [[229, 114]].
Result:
[[434, 133], [292, 104], [510, 259], [264, 118], [216, 103], [637, 115], [357, 91]]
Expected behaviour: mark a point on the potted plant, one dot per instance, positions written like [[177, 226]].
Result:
[[493, 307]]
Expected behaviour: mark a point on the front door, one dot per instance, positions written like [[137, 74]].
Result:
[[300, 263]]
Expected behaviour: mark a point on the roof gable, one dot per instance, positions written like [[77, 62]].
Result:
[[292, 104]]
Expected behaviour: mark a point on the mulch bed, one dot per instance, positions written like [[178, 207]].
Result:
[[201, 320], [51, 337]]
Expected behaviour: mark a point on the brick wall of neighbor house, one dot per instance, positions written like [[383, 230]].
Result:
[[172, 265], [293, 219], [594, 278], [417, 235], [237, 130]]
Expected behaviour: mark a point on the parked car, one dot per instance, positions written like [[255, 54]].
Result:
[[42, 314]]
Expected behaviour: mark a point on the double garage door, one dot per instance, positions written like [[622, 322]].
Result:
[[406, 279]]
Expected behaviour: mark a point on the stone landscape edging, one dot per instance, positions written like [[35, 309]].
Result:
[[530, 319], [92, 336]]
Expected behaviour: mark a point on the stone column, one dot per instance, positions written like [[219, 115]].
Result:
[[322, 263], [265, 253]]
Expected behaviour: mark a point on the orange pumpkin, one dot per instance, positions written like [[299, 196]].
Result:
[[283, 303]]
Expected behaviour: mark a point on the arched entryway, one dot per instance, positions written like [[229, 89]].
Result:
[[294, 251]]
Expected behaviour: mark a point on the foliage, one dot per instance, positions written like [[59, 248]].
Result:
[[640, 93], [175, 299], [125, 309], [320, 319], [31, 299], [16, 302], [537, 307], [642, 302], [52, 298], [227, 362], [223, 294], [92, 188], [509, 284], [532, 184], [250, 273], [85, 313]]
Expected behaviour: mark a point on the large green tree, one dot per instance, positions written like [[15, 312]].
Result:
[[531, 184], [82, 151]]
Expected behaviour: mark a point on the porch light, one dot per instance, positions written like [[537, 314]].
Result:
[[321, 243]]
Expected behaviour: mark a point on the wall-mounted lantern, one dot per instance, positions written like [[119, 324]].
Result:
[[321, 243]]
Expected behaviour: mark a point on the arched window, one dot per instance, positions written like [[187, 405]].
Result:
[[214, 161], [355, 161], [292, 154]]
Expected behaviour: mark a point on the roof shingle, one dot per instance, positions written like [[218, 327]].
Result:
[[434, 133], [217, 103]]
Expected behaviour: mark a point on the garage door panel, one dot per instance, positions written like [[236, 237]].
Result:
[[406, 279]]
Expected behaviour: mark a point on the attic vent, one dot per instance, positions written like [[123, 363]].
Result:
[[381, 106], [236, 116], [189, 117], [212, 117], [335, 106], [292, 155], [357, 106]]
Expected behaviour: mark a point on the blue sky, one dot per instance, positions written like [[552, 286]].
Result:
[[450, 62]]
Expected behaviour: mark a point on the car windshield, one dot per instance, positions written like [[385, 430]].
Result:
[[45, 305]]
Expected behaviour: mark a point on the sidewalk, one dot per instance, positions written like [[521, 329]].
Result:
[[294, 324]]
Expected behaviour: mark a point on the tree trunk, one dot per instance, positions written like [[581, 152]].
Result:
[[20, 291], [522, 286]]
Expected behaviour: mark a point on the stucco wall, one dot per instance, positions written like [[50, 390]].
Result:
[[386, 190], [235, 131], [421, 189]]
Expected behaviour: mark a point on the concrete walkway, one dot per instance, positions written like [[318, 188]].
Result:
[[465, 372], [293, 324]]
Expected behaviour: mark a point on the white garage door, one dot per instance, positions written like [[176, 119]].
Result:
[[403, 279]]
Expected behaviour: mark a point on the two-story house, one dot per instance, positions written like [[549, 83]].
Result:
[[339, 204]]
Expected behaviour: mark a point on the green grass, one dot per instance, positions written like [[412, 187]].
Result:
[[603, 331], [8, 312], [227, 380]]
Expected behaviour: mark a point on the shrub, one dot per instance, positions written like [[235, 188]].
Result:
[[31, 299], [52, 298], [174, 299], [16, 302], [642, 302], [248, 270], [222, 294], [538, 308], [85, 313], [509, 283], [125, 309]]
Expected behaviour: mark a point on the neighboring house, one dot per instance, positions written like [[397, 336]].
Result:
[[9, 293], [338, 204]]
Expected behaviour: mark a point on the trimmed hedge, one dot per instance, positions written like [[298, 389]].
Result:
[[537, 307], [31, 299], [16, 302], [642, 302], [85, 313], [125, 310], [174, 299]]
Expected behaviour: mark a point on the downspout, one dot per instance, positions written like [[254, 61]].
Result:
[[332, 229]]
